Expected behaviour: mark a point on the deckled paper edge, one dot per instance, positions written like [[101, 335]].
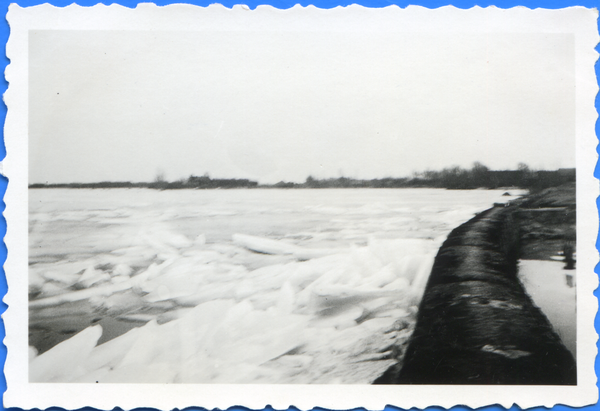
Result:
[[22, 394]]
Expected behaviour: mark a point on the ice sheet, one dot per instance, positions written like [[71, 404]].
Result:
[[235, 286], [553, 290]]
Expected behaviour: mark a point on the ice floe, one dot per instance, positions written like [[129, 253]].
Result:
[[227, 287]]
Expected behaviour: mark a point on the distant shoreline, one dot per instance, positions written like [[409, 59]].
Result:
[[479, 177]]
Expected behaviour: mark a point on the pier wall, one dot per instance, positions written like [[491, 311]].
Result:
[[476, 324]]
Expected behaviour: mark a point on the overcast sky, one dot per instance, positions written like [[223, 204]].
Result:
[[123, 106]]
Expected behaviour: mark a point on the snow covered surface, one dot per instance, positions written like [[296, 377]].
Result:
[[553, 290], [233, 286]]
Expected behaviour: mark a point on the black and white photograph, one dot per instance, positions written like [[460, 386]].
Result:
[[341, 198]]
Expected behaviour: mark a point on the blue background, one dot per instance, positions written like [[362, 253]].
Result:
[[282, 4]]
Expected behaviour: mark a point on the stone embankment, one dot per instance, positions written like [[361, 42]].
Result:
[[476, 324]]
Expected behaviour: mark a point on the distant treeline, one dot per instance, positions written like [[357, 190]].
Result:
[[204, 182], [479, 176], [161, 184], [101, 184]]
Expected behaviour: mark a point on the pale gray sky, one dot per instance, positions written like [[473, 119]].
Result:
[[122, 105]]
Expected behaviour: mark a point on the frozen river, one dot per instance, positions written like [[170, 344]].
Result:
[[231, 286]]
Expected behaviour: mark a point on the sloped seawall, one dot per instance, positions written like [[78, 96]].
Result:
[[476, 324]]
